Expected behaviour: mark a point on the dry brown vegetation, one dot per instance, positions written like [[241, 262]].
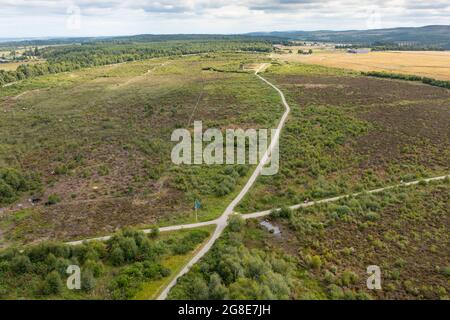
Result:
[[100, 141], [348, 133], [433, 64]]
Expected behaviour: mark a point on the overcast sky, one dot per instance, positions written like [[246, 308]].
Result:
[[45, 18]]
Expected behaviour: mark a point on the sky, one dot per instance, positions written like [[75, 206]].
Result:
[[61, 18]]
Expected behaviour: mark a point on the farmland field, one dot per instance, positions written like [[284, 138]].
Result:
[[10, 66], [433, 64]]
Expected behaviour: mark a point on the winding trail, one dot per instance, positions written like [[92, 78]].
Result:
[[222, 221], [259, 214], [311, 203]]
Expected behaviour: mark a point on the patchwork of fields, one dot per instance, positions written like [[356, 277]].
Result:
[[432, 64]]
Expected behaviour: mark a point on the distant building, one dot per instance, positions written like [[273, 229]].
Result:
[[359, 51]]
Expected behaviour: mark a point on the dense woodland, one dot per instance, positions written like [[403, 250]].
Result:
[[116, 269], [233, 271], [77, 56]]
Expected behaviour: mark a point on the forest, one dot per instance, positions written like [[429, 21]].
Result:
[[116, 269], [76, 56]]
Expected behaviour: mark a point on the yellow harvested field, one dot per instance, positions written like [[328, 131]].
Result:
[[433, 64], [11, 66]]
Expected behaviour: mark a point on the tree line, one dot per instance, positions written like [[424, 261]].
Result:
[[74, 57], [425, 80]]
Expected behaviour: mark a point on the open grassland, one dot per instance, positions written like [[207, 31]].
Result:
[[432, 64], [130, 265], [323, 251], [94, 145], [349, 133]]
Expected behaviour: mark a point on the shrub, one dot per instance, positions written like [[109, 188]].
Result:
[[117, 257], [87, 280], [181, 248], [129, 247], [235, 223], [7, 193], [217, 291], [21, 264], [343, 210], [155, 271], [446, 271], [95, 267], [285, 213], [372, 216], [348, 278], [155, 233], [53, 283], [13, 182], [61, 170], [225, 187], [14, 179], [314, 262], [53, 199]]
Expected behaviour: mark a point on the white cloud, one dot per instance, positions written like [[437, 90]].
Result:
[[22, 18]]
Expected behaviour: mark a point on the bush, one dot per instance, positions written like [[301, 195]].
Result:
[[129, 247], [53, 284], [7, 193], [95, 267], [315, 262], [226, 186], [189, 242], [217, 291], [87, 280], [348, 278], [343, 210], [372, 216], [13, 182], [235, 223], [446, 271], [117, 257], [20, 264], [284, 213], [155, 271], [155, 233], [53, 199]]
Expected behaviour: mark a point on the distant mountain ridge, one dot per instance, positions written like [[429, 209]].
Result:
[[434, 35]]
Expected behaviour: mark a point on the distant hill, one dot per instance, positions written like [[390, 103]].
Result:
[[141, 38], [436, 36], [429, 36]]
